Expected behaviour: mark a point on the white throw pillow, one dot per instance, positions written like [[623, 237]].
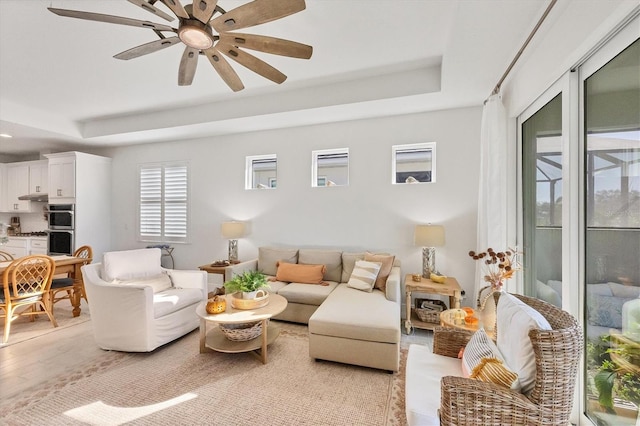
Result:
[[514, 320], [364, 275], [159, 283], [131, 264]]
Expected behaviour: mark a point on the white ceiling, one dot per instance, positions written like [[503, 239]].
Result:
[[60, 87]]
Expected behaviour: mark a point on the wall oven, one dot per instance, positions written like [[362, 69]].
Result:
[[61, 242], [61, 219], [61, 216]]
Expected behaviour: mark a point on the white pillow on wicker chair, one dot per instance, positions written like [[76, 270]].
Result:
[[514, 320]]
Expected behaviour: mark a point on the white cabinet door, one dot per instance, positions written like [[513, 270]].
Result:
[[37, 246], [39, 178], [17, 185], [62, 178], [16, 247]]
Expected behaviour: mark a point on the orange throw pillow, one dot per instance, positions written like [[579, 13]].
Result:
[[305, 274], [385, 268]]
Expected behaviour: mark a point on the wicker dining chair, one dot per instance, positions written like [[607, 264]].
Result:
[[557, 354], [26, 283], [63, 288], [4, 256]]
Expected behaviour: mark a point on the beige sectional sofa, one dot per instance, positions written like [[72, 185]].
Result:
[[345, 324]]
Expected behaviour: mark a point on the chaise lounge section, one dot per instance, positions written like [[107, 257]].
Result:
[[346, 324]]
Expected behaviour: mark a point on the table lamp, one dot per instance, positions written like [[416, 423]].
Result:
[[232, 231], [429, 237]]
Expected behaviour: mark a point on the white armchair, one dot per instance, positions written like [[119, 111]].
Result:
[[136, 305]]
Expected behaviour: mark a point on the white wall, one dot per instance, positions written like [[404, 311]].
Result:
[[369, 214]]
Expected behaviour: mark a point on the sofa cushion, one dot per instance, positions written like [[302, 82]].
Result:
[[626, 291], [274, 285], [305, 274], [385, 269], [131, 264], [332, 259], [354, 314], [514, 320], [268, 258], [174, 299], [348, 263], [158, 283], [364, 275], [605, 311], [307, 294], [422, 384], [481, 360], [548, 294]]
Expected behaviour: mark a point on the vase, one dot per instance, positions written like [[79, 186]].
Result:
[[489, 310]]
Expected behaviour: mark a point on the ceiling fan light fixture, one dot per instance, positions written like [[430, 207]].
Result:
[[196, 36]]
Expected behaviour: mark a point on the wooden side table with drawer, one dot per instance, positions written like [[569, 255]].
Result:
[[449, 288]]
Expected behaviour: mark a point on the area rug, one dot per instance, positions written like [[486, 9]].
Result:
[[23, 329], [176, 385]]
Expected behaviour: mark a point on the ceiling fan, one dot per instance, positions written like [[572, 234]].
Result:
[[205, 33]]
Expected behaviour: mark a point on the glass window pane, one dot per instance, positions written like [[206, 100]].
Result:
[[612, 198], [414, 163], [330, 167], [261, 172], [542, 202]]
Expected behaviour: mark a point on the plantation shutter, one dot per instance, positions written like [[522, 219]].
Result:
[[163, 202]]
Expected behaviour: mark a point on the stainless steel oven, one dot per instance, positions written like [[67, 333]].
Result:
[[61, 242], [61, 216]]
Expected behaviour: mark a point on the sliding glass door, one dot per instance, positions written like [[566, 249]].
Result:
[[612, 239]]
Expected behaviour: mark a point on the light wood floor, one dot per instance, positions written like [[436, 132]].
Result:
[[36, 361]]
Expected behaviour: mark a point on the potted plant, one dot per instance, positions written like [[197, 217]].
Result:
[[248, 283]]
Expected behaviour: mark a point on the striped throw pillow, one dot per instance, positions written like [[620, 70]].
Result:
[[364, 275], [481, 360]]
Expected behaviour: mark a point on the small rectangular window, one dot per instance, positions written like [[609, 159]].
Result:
[[413, 163], [261, 172], [163, 202], [330, 167]]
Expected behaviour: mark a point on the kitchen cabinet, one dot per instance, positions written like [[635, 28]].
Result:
[[29, 177], [17, 185], [37, 246], [39, 177], [62, 179], [17, 247]]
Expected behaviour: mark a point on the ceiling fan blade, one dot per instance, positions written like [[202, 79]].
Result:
[[276, 46], [90, 16], [221, 65], [188, 65], [255, 13], [203, 9], [177, 8], [151, 8], [254, 64], [147, 48]]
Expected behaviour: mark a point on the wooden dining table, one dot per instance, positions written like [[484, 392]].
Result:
[[64, 265]]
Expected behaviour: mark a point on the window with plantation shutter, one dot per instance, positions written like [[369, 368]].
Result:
[[164, 202]]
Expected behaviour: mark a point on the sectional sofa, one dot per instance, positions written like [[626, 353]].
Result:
[[346, 324]]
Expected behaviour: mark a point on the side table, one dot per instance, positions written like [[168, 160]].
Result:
[[220, 270], [449, 288]]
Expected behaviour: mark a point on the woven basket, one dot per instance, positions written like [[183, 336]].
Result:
[[242, 332], [427, 315]]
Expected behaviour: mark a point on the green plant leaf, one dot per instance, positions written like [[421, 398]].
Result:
[[604, 383]]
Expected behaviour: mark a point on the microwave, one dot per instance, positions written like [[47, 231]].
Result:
[[61, 216]]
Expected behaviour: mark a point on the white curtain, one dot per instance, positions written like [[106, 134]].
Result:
[[492, 193]]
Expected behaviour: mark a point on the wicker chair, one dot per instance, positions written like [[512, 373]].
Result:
[[4, 256], [26, 287], [63, 288], [557, 353]]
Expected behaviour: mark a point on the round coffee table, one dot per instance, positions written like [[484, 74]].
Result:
[[215, 340]]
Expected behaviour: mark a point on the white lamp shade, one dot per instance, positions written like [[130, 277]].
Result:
[[232, 230], [429, 235]]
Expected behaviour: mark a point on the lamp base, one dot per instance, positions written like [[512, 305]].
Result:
[[428, 261], [233, 251]]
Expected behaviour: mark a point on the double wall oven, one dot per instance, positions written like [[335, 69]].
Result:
[[61, 220]]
